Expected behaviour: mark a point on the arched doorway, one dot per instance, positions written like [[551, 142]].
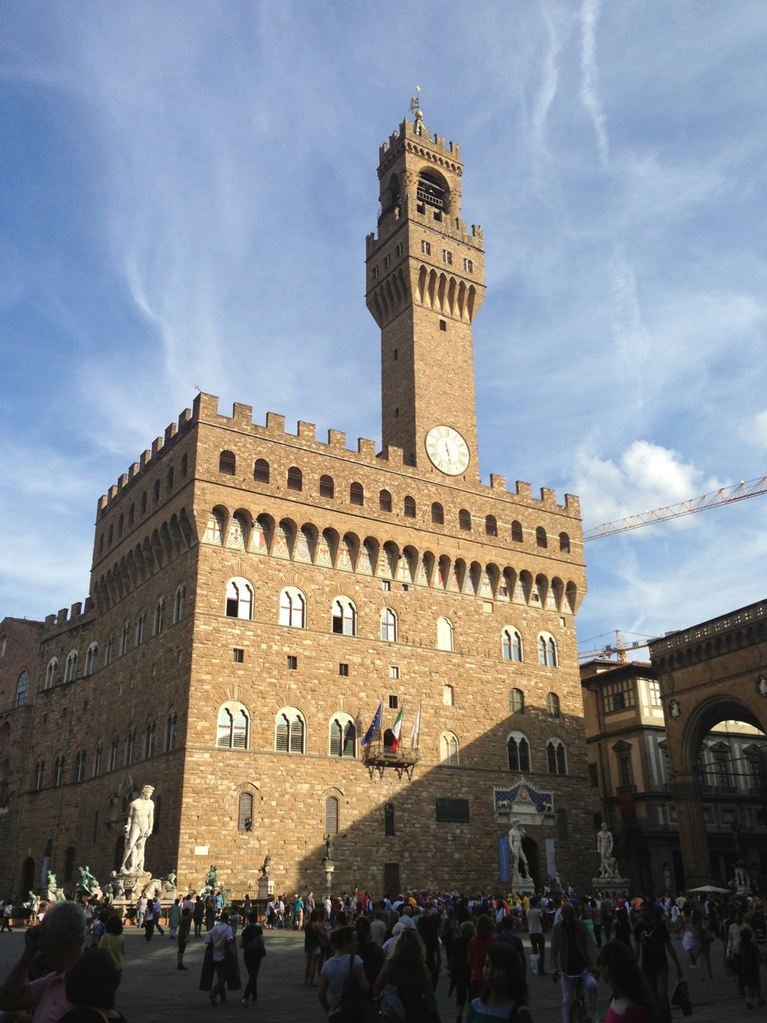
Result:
[[530, 849], [28, 876]]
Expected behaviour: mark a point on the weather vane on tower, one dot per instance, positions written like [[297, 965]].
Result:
[[415, 107]]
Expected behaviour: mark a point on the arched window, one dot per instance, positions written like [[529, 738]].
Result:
[[58, 772], [227, 463], [444, 634], [448, 749], [555, 754], [143, 503], [384, 501], [293, 608], [295, 478], [516, 532], [156, 490], [79, 772], [516, 701], [70, 668], [343, 737], [541, 539], [491, 525], [564, 543], [464, 519], [52, 673], [125, 638], [357, 494], [511, 644], [552, 705], [239, 599], [21, 689], [232, 731], [109, 651], [140, 628], [327, 486], [97, 760], [169, 479], [130, 746], [290, 731], [388, 625], [344, 617], [91, 657], [179, 603], [409, 507], [245, 812], [331, 816], [261, 470], [170, 732], [39, 775], [437, 514], [114, 748], [149, 737], [120, 525], [159, 616], [547, 650], [518, 749]]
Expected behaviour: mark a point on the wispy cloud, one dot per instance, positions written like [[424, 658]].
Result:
[[590, 97]]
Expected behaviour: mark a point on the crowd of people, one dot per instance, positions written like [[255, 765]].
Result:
[[382, 958]]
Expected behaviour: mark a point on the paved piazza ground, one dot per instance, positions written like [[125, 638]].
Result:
[[153, 989]]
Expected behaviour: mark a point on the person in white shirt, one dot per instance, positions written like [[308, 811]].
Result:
[[218, 936]]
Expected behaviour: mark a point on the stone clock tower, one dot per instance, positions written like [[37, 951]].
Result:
[[425, 283]]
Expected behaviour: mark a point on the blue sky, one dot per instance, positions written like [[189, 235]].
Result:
[[185, 190]]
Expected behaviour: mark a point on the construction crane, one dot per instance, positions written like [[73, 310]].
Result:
[[620, 649], [725, 495]]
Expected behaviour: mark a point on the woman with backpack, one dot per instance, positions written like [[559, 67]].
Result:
[[253, 951]]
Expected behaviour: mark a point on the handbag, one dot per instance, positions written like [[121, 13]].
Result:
[[681, 998], [355, 1007]]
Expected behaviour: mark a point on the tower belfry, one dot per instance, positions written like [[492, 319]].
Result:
[[425, 284]]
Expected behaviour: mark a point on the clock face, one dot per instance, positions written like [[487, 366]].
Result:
[[447, 450]]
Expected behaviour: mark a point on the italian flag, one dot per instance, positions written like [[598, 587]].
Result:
[[397, 729]]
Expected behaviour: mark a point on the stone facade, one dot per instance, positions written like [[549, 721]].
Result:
[[256, 593]]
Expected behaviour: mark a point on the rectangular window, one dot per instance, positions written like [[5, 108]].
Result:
[[468, 266], [343, 669], [654, 687], [394, 671], [292, 662], [385, 584], [426, 248], [400, 249], [618, 695], [387, 262], [453, 811], [393, 702], [238, 655], [447, 257], [442, 325]]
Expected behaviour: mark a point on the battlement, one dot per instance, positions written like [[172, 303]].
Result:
[[409, 130], [455, 229], [68, 615], [205, 410]]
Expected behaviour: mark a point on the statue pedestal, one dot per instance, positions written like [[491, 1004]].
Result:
[[614, 885], [265, 888], [522, 885], [328, 866]]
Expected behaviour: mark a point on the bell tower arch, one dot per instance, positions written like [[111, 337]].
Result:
[[425, 284]]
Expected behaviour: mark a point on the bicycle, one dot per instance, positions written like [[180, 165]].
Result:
[[578, 1012]]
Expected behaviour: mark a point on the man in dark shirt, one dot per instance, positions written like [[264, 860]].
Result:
[[651, 943], [573, 955]]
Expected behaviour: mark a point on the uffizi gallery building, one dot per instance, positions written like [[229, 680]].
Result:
[[256, 593]]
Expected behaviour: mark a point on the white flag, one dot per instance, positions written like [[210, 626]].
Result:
[[416, 729]]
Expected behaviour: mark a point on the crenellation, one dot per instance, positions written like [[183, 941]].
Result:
[[76, 610], [242, 415], [307, 431], [62, 615], [497, 482], [156, 446], [111, 493], [146, 458], [122, 482], [337, 440], [366, 448], [170, 432], [275, 423], [134, 470], [524, 490]]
